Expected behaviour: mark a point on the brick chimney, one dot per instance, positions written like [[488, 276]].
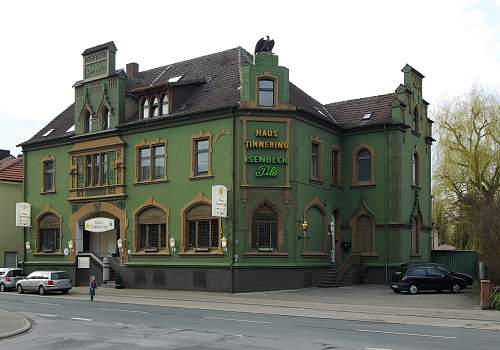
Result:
[[132, 69]]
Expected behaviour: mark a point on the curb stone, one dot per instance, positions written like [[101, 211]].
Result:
[[25, 328]]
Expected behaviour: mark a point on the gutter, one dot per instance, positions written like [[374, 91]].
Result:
[[386, 203]]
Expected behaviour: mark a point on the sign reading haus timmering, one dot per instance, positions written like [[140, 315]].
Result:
[[99, 224]]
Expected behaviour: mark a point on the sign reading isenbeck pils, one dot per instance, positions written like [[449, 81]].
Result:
[[269, 162]]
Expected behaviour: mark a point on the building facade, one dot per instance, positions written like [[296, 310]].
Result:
[[11, 190], [126, 172]]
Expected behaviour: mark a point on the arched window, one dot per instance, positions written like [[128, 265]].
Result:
[[364, 234], [414, 169], [201, 229], [265, 229], [363, 166], [145, 109], [151, 229], [266, 92], [415, 236], [415, 126], [164, 105], [86, 120], [154, 108], [106, 118], [49, 239]]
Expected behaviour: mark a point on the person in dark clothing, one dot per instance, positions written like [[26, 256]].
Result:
[[93, 287]]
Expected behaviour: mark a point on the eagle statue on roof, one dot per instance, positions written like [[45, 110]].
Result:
[[264, 45]]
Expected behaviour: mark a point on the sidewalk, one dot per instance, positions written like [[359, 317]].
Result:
[[12, 324], [310, 302]]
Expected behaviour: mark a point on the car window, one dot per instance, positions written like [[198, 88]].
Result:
[[419, 272], [443, 269], [431, 271], [60, 275], [18, 273]]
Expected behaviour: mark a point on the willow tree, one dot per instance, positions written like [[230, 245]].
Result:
[[467, 174]]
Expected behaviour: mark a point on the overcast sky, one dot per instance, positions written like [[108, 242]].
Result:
[[335, 50]]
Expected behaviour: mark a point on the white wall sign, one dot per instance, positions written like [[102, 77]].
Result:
[[99, 224], [23, 214], [219, 201], [83, 262]]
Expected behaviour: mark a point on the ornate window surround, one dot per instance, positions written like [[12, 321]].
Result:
[[355, 182], [316, 202], [150, 203], [48, 210], [151, 144], [197, 137], [48, 158], [363, 211], [281, 236], [200, 198]]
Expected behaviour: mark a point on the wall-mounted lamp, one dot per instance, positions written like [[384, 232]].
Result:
[[28, 246], [223, 243], [304, 227], [172, 244], [119, 244], [70, 245]]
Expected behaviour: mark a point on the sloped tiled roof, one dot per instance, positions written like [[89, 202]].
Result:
[[59, 124], [12, 170], [350, 113]]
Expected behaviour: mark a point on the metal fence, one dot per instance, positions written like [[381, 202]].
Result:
[[465, 261]]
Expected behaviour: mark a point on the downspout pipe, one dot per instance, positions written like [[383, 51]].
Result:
[[233, 211], [386, 204]]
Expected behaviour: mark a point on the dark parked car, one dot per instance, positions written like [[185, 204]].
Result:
[[444, 269], [416, 278]]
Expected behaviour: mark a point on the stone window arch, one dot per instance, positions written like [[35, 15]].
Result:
[[363, 166], [265, 228], [105, 117], [315, 215], [151, 228], [363, 231], [164, 104], [144, 110], [154, 109], [48, 234], [201, 231], [86, 121]]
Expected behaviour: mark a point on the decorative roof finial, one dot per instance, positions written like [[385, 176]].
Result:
[[264, 45]]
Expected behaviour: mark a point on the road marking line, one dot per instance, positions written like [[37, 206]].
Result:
[[123, 310], [80, 319], [36, 302], [46, 315], [377, 349], [410, 334], [234, 319]]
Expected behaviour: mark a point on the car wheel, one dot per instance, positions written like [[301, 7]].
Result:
[[413, 289], [2, 287], [20, 289], [41, 290], [456, 288], [64, 291]]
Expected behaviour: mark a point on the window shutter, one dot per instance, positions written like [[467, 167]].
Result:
[[152, 215], [49, 221], [200, 211], [365, 236]]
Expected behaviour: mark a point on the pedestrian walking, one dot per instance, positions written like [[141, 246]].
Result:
[[93, 287]]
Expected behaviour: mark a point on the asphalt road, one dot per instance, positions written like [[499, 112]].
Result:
[[79, 324]]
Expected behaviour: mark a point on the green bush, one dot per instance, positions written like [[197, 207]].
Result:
[[495, 300]]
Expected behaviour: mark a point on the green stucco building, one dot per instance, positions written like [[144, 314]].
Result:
[[124, 175]]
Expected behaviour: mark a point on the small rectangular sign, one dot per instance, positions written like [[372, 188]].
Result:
[[83, 262], [99, 224], [219, 201], [23, 214]]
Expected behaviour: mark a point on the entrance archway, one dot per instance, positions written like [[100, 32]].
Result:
[[98, 209]]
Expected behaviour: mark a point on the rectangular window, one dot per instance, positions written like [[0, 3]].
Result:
[[266, 93], [48, 176], [315, 155], [335, 166], [203, 234], [145, 164], [104, 169], [96, 171], [88, 171], [159, 162], [49, 239], [152, 236], [201, 157]]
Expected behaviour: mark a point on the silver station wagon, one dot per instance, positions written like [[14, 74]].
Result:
[[45, 282], [9, 278]]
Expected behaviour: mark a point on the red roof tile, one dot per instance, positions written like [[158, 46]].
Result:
[[12, 170]]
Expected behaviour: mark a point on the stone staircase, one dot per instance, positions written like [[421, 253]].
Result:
[[342, 275]]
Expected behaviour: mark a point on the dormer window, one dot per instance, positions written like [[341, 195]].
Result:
[[154, 108], [106, 118], [145, 109], [86, 122], [164, 105], [266, 92]]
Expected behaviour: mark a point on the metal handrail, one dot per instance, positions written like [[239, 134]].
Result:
[[352, 259]]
